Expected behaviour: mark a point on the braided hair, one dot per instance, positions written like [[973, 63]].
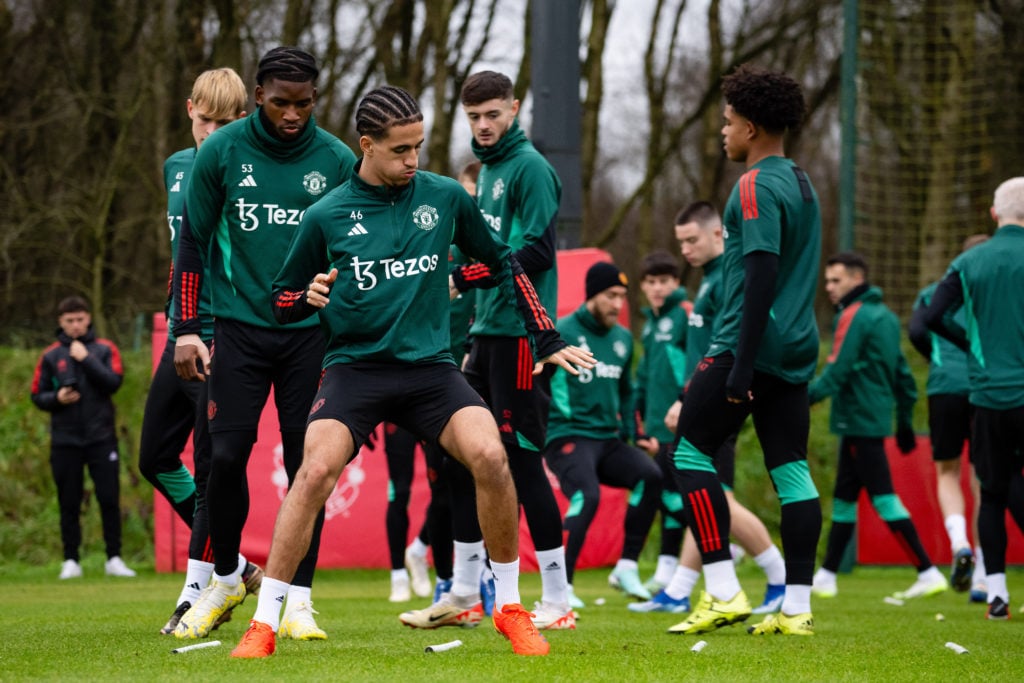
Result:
[[384, 108], [287, 64]]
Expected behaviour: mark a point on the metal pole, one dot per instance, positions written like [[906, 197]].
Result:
[[848, 126], [555, 78]]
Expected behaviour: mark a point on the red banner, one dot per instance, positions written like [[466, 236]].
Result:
[[913, 478]]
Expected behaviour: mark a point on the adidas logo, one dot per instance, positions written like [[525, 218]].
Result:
[[247, 181], [279, 599], [475, 557], [195, 586], [176, 187], [358, 229], [554, 566]]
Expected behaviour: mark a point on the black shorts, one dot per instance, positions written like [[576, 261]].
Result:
[[418, 398], [780, 411], [500, 369], [247, 360], [949, 422]]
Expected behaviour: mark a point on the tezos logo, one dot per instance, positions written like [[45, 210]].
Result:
[[497, 189], [366, 278], [315, 183], [425, 217]]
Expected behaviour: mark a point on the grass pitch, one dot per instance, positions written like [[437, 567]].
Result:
[[101, 628]]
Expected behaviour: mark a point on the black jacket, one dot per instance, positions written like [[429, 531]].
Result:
[[89, 421]]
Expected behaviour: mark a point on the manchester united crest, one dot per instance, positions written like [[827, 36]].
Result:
[[315, 183], [425, 217]]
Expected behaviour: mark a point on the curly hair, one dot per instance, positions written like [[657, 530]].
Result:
[[768, 99]]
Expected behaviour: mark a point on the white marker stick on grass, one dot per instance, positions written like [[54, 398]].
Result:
[[197, 646], [443, 646]]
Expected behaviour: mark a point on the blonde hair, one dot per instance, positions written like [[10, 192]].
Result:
[[1008, 203], [220, 93]]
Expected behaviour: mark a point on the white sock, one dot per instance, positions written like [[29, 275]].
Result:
[[996, 584], [979, 565], [418, 547], [298, 594], [466, 568], [773, 565], [506, 583], [666, 568], [197, 576], [231, 579], [271, 598], [720, 580], [956, 529], [399, 576], [553, 578], [824, 576], [797, 600], [682, 583], [626, 565], [930, 574]]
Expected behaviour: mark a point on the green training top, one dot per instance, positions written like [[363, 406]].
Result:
[[661, 370], [992, 275], [595, 404], [774, 208], [704, 316], [947, 366], [390, 245], [518, 194], [248, 193], [177, 169], [866, 372]]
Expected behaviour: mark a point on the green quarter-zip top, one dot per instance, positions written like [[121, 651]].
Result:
[[662, 368], [866, 373], [177, 170], [390, 245], [595, 404], [518, 193], [248, 193]]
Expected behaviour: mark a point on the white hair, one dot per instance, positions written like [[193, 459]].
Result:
[[1008, 203]]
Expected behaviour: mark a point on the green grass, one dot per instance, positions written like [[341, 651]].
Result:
[[100, 628]]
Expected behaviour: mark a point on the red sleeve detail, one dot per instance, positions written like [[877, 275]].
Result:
[[189, 303], [748, 194], [288, 298], [115, 356], [540, 317], [477, 271], [845, 319]]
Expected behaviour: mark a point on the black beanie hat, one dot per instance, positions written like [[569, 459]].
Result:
[[603, 275]]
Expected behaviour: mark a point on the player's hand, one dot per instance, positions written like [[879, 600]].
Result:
[[319, 290], [67, 396], [672, 416], [568, 358], [737, 385], [649, 444], [191, 358], [78, 350], [906, 440]]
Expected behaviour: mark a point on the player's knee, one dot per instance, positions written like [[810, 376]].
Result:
[[489, 465], [315, 479]]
